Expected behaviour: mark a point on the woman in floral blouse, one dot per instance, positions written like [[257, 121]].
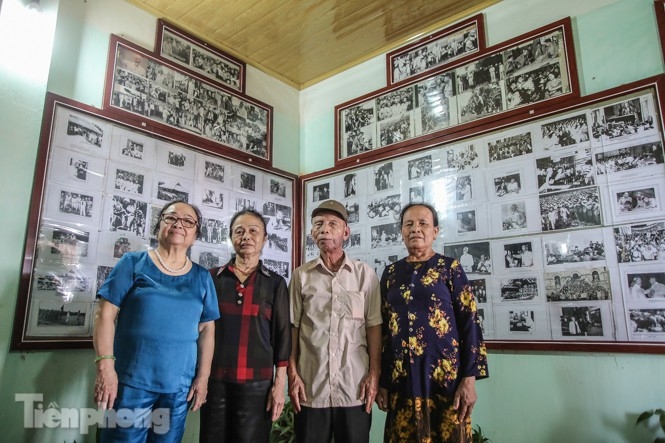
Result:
[[433, 349]]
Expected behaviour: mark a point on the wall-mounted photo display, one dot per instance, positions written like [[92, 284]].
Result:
[[437, 50], [99, 188], [200, 57], [534, 211], [529, 70], [181, 104]]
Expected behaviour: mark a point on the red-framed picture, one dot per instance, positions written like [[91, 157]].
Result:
[[100, 181], [436, 50], [557, 217], [178, 46], [184, 106], [525, 73]]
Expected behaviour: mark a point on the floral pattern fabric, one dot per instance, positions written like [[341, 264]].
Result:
[[431, 340]]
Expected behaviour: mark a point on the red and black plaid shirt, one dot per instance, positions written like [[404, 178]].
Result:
[[253, 334]]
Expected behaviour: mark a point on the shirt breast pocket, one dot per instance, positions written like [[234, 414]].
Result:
[[355, 303]]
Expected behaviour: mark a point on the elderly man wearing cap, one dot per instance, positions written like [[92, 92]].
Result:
[[336, 327]]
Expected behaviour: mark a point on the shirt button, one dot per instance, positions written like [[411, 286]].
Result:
[[242, 286], [239, 302], [412, 285], [239, 294], [415, 272]]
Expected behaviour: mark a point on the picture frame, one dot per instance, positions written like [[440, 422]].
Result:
[[471, 92], [178, 46], [180, 105], [85, 216], [592, 240], [436, 50]]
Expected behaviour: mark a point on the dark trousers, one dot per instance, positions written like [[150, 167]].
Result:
[[319, 425], [236, 413]]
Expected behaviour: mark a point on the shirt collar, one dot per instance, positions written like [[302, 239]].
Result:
[[318, 262]]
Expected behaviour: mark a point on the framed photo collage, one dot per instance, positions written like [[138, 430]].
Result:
[[557, 219]]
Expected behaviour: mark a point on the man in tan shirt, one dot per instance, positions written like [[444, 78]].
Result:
[[336, 326]]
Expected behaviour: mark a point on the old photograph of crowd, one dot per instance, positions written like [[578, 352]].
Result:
[[145, 86], [528, 72], [543, 213]]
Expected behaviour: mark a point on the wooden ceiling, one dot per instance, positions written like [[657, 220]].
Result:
[[302, 42]]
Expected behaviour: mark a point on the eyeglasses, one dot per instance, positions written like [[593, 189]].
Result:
[[172, 220]]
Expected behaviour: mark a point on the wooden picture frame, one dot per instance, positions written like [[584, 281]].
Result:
[[659, 5], [178, 46], [539, 67], [100, 181], [182, 105], [437, 50], [588, 243]]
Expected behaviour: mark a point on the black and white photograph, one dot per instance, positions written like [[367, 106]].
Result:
[[534, 86], [395, 104], [461, 157], [380, 261], [579, 284], [102, 272], [466, 222], [639, 199], [278, 242], [240, 202], [631, 160], [388, 207], [584, 321], [354, 241], [278, 266], [215, 65], [420, 167], [353, 210], [640, 243], [277, 187], [279, 216], [574, 247], [474, 257], [114, 244], [386, 235], [67, 245], [464, 189], [321, 192], [77, 169], [176, 160], [358, 131], [132, 147], [58, 314], [479, 289], [214, 170], [578, 208], [209, 259], [172, 188], [647, 284], [436, 105], [540, 51], [566, 132], [436, 50], [383, 177], [514, 217], [565, 171], [647, 323], [521, 321], [127, 215], [213, 197], [248, 181], [511, 146], [417, 194], [128, 180], [77, 203], [311, 249], [481, 101], [82, 132], [520, 289], [507, 185], [523, 254], [350, 186], [138, 87], [624, 120], [396, 130], [214, 231], [488, 69]]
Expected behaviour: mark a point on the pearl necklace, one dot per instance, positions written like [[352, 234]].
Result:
[[172, 271]]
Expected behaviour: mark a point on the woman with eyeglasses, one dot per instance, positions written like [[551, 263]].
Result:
[[154, 335], [253, 341]]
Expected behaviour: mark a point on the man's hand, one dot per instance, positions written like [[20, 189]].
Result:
[[369, 387], [465, 398]]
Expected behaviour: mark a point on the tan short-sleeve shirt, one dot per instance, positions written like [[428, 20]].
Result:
[[332, 312]]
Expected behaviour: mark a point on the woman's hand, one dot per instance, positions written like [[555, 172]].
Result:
[[198, 392], [276, 397], [382, 399], [106, 384], [465, 398]]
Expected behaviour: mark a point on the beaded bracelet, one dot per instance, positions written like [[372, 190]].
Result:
[[104, 357]]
